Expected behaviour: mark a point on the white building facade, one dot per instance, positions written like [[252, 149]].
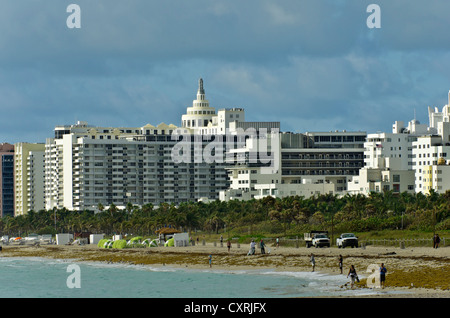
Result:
[[86, 165]]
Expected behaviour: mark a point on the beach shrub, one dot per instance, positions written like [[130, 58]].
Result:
[[444, 225]]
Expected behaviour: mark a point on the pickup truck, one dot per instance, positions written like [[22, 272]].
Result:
[[347, 239], [317, 239]]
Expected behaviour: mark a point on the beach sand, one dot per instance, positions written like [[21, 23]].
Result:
[[418, 271]]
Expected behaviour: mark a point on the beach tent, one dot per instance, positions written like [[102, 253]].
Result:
[[119, 244], [170, 242], [150, 243], [135, 240]]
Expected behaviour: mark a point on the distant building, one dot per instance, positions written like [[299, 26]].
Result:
[[310, 164], [86, 165], [427, 151], [429, 148], [389, 177], [6, 179], [29, 177], [435, 177]]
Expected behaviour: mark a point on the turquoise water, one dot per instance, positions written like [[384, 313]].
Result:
[[45, 278]]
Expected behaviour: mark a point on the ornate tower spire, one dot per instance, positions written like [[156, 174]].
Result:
[[200, 114], [201, 90]]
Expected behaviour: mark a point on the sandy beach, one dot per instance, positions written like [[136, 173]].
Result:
[[419, 271]]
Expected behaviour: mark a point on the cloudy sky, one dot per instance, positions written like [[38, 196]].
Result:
[[313, 65]]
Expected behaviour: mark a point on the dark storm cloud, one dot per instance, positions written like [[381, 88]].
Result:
[[313, 65]]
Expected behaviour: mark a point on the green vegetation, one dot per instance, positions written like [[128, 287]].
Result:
[[379, 213]]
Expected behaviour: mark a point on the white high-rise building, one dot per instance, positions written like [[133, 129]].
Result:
[[310, 164], [432, 151], [389, 163], [397, 144], [427, 151], [86, 166]]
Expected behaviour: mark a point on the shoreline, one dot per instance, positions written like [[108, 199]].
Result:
[[403, 264]]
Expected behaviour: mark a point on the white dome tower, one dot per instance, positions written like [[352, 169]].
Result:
[[200, 114]]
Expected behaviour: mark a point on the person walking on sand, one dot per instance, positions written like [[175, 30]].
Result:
[[278, 242], [210, 260], [229, 245], [262, 246], [383, 271], [313, 262], [353, 275], [252, 248], [341, 262]]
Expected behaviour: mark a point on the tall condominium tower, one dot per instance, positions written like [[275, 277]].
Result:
[[29, 177], [87, 165], [6, 179]]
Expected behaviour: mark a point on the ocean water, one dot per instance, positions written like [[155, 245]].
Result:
[[46, 278]]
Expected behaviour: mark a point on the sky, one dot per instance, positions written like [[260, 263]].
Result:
[[312, 65]]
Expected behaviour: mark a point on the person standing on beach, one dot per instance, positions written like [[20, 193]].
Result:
[[436, 241], [278, 242], [210, 260], [252, 248], [229, 245], [352, 274], [262, 246], [383, 271], [341, 262], [313, 261]]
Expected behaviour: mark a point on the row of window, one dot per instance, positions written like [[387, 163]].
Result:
[[339, 138]]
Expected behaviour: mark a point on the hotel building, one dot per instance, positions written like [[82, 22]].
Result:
[[431, 152], [29, 177], [86, 166], [6, 179], [310, 164]]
